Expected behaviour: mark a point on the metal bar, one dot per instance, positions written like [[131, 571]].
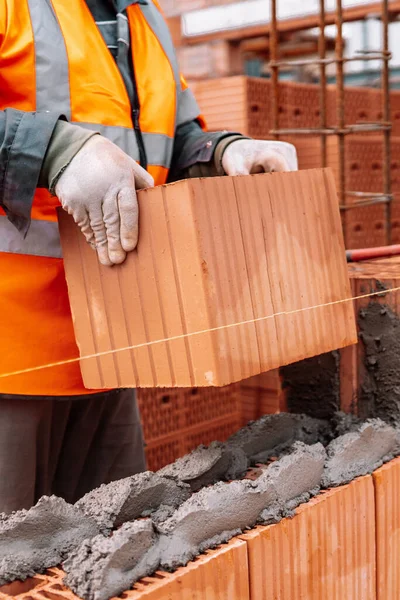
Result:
[[365, 127], [358, 128], [386, 117], [368, 195], [273, 54], [371, 253], [322, 82], [366, 202], [340, 106], [330, 61]]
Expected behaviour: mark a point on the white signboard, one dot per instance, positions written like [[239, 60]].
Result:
[[250, 13]]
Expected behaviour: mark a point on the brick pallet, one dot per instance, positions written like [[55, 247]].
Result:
[[175, 421]]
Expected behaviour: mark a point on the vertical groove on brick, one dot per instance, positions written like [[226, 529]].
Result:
[[160, 271], [89, 367], [307, 289], [185, 344], [228, 237], [317, 554], [116, 327], [238, 271], [286, 212], [251, 230], [340, 284], [272, 271], [226, 314], [147, 278], [313, 293], [98, 321], [324, 232], [387, 494], [127, 330], [136, 325], [192, 281], [220, 574], [214, 268]]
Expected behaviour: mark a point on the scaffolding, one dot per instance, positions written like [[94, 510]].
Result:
[[348, 198]]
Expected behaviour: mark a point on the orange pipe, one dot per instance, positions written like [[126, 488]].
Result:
[[370, 253]]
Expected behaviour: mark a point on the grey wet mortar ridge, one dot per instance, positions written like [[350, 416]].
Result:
[[272, 434], [217, 513], [210, 517], [183, 524], [298, 472], [104, 567], [41, 537], [114, 503], [207, 465], [359, 452], [343, 423]]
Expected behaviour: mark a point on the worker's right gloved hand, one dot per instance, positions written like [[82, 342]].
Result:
[[98, 188]]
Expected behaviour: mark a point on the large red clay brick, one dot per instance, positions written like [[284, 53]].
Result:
[[387, 499], [326, 551], [220, 574], [221, 287]]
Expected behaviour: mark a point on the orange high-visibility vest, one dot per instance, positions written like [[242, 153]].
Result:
[[53, 58]]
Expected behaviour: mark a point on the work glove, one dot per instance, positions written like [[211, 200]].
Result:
[[245, 157], [98, 188]]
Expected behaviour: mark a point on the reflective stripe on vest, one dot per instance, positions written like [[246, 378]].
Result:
[[49, 41], [43, 239], [49, 48], [85, 88]]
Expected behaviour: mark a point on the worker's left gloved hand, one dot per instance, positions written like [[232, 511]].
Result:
[[245, 157]]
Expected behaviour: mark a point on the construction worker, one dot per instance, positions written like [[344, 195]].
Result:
[[89, 90]]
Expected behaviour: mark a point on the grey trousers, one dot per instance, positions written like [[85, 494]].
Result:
[[66, 446]]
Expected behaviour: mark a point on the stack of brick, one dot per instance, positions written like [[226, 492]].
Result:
[[298, 105], [175, 421], [250, 105]]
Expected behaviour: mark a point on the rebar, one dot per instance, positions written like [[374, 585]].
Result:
[[386, 117], [274, 69], [322, 87], [341, 130]]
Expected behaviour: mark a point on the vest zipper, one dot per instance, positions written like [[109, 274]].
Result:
[[136, 114], [126, 67], [139, 136]]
